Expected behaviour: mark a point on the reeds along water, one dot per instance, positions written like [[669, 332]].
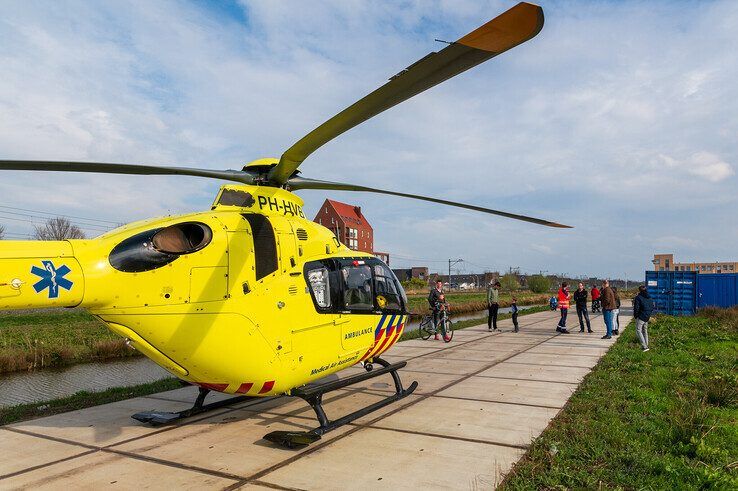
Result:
[[35, 355]]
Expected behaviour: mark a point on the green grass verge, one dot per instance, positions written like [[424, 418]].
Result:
[[50, 339], [82, 400], [665, 419]]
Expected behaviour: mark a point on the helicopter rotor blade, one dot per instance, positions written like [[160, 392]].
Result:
[[105, 168], [297, 183], [511, 28]]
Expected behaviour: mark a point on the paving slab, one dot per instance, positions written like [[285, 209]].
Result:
[[104, 470], [228, 443], [100, 425], [490, 355], [338, 403], [442, 365], [489, 422], [552, 349], [545, 373], [557, 360], [427, 382], [392, 460], [23, 451], [526, 392]]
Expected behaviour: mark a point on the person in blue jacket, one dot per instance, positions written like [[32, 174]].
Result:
[[642, 310]]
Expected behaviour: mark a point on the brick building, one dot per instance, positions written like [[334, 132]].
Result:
[[665, 262], [418, 272], [349, 225]]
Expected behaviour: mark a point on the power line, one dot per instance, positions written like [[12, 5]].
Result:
[[80, 224], [83, 226], [56, 214]]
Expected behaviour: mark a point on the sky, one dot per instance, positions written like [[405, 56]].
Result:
[[619, 118]]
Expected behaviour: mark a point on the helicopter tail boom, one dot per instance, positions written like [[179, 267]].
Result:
[[39, 274]]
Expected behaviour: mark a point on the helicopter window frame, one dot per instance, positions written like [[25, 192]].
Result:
[[395, 300]]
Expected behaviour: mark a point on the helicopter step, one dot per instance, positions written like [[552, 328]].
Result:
[[156, 418], [313, 395]]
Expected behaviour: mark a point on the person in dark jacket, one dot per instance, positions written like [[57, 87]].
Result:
[[580, 299], [436, 299], [514, 312], [642, 310], [609, 304]]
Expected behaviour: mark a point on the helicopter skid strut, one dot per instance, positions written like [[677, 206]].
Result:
[[313, 395], [156, 418]]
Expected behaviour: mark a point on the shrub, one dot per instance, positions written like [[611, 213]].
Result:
[[509, 282], [539, 283], [414, 284]]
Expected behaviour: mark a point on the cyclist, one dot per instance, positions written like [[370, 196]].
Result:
[[437, 301]]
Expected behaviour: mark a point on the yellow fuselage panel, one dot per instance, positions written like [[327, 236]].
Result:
[[204, 316]]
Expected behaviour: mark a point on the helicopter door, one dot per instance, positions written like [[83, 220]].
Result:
[[268, 294]]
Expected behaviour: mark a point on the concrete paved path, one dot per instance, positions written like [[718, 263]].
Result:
[[482, 399]]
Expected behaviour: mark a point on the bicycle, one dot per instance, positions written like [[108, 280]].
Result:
[[428, 329]]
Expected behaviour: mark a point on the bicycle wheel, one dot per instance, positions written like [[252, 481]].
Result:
[[425, 327], [449, 331]]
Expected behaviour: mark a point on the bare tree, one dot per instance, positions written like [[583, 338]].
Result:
[[2, 232], [58, 228]]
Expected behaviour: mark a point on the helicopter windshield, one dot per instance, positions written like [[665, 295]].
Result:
[[357, 291]]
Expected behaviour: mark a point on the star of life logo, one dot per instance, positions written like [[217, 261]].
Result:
[[51, 278]]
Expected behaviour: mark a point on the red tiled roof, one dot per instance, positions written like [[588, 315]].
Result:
[[349, 214]]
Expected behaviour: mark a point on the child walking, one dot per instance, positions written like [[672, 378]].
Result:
[[514, 310]]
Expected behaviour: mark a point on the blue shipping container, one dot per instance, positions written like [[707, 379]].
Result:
[[673, 292], [717, 290]]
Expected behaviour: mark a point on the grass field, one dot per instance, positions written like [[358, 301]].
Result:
[[56, 338], [665, 419]]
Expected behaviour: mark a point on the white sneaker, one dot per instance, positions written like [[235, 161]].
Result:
[[646, 349]]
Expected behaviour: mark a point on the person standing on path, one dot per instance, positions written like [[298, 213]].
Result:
[[595, 299], [642, 310], [580, 299], [607, 299], [616, 313], [493, 305], [514, 311], [563, 298]]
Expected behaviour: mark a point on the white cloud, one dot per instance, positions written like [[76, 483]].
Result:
[[702, 164]]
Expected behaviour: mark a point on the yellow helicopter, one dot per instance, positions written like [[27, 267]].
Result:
[[250, 297]]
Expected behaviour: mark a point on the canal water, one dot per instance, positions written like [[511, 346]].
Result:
[[42, 385]]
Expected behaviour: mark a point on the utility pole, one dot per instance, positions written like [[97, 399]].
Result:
[[452, 262]]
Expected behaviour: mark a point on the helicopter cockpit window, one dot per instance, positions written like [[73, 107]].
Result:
[[386, 291], [357, 288], [320, 285]]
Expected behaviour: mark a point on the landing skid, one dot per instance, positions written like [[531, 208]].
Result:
[[156, 418], [313, 395]]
